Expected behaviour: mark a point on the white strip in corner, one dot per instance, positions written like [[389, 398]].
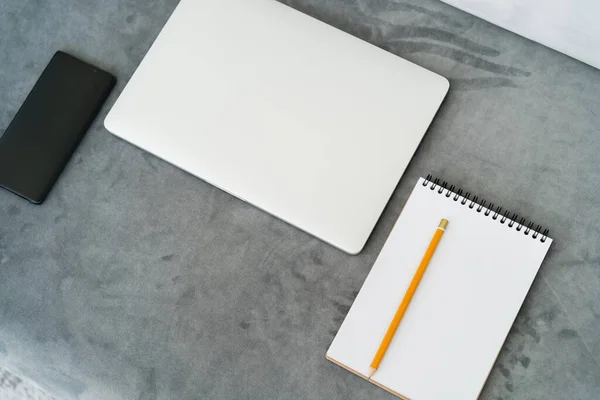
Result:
[[568, 26]]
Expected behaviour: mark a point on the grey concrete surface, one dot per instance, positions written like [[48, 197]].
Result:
[[13, 387], [135, 280]]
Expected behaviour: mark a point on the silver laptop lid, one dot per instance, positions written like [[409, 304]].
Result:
[[281, 110]]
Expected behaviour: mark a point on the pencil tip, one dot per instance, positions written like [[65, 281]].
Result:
[[371, 372]]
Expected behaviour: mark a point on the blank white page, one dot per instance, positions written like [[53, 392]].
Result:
[[464, 306]]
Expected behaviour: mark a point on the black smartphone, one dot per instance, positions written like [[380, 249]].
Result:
[[44, 133]]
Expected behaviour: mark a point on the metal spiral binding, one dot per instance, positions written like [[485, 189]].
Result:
[[473, 203]]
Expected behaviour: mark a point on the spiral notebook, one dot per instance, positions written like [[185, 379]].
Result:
[[463, 308]]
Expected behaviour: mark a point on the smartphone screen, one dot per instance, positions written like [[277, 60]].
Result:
[[50, 124]]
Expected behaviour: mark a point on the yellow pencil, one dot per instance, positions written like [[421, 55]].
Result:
[[389, 335]]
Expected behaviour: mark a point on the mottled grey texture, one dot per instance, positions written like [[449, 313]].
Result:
[[135, 280], [13, 387]]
